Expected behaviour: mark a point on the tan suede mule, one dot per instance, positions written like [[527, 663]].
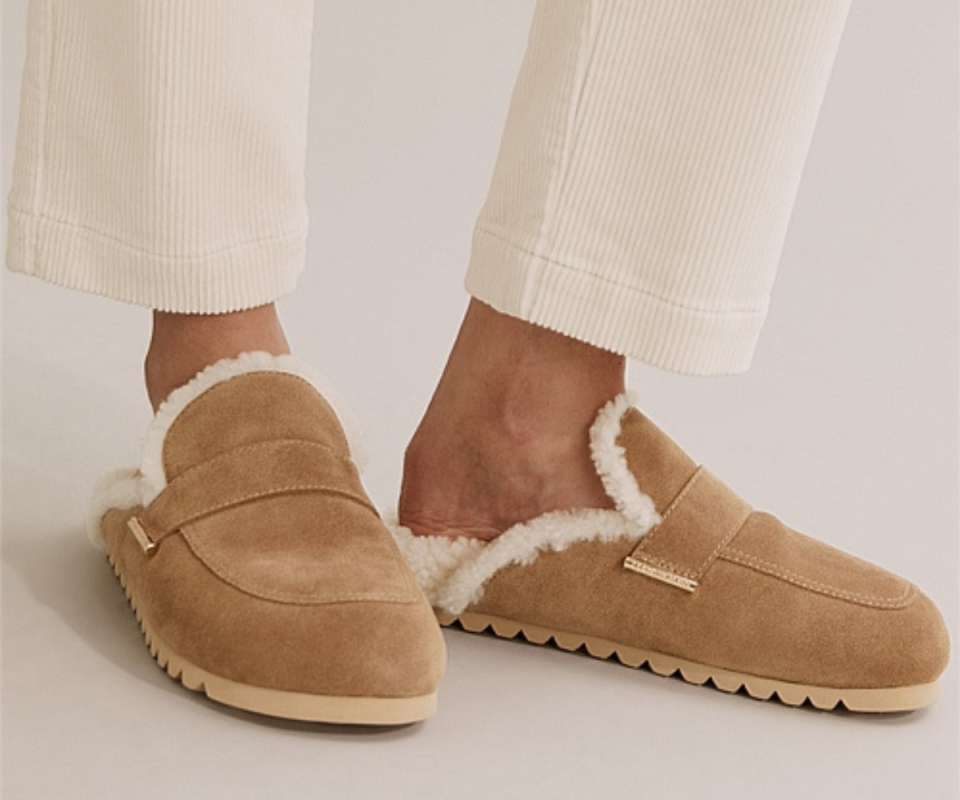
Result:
[[685, 577], [256, 564]]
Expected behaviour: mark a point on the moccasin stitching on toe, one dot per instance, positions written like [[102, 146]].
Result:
[[685, 577], [259, 570]]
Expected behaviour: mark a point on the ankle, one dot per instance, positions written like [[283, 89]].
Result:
[[505, 436], [526, 382], [183, 344]]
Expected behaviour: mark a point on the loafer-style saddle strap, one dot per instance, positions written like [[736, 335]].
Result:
[[696, 526], [245, 474]]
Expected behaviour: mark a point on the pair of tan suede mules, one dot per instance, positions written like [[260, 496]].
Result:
[[262, 575]]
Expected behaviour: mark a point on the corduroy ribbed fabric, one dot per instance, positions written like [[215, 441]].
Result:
[[640, 200], [648, 169], [161, 150]]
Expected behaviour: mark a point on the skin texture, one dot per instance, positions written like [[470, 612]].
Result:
[[505, 436], [183, 344], [503, 439]]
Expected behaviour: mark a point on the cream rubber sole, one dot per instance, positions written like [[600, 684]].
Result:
[[274, 702], [901, 698]]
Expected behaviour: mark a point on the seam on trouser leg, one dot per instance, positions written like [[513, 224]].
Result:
[[138, 251], [566, 137]]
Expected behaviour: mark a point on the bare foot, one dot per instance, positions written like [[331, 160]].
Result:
[[183, 344], [505, 437]]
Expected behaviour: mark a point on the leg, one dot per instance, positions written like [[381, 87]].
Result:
[[639, 204], [160, 161], [183, 344], [508, 422], [180, 184]]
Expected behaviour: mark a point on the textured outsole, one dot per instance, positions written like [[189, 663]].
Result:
[[274, 702], [901, 698]]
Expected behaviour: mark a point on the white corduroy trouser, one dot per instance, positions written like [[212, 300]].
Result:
[[640, 200]]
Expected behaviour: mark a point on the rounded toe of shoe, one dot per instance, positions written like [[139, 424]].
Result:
[[914, 645], [347, 649], [885, 648], [895, 658], [350, 644], [378, 649]]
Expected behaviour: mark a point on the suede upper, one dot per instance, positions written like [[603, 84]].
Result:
[[751, 595], [271, 566]]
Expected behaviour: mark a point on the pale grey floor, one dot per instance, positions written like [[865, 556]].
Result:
[[846, 427]]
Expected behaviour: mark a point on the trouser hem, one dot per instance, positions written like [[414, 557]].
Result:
[[249, 275], [571, 301]]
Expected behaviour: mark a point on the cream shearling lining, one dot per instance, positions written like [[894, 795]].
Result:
[[126, 488], [453, 572], [611, 463], [119, 488]]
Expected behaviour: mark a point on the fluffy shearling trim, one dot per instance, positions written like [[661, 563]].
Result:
[[151, 461], [610, 460], [433, 559], [453, 572], [126, 488], [120, 488]]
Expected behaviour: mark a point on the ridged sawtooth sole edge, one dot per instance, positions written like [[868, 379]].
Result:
[[275, 702], [901, 698]]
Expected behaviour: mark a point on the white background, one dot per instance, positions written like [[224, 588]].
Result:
[[846, 427]]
